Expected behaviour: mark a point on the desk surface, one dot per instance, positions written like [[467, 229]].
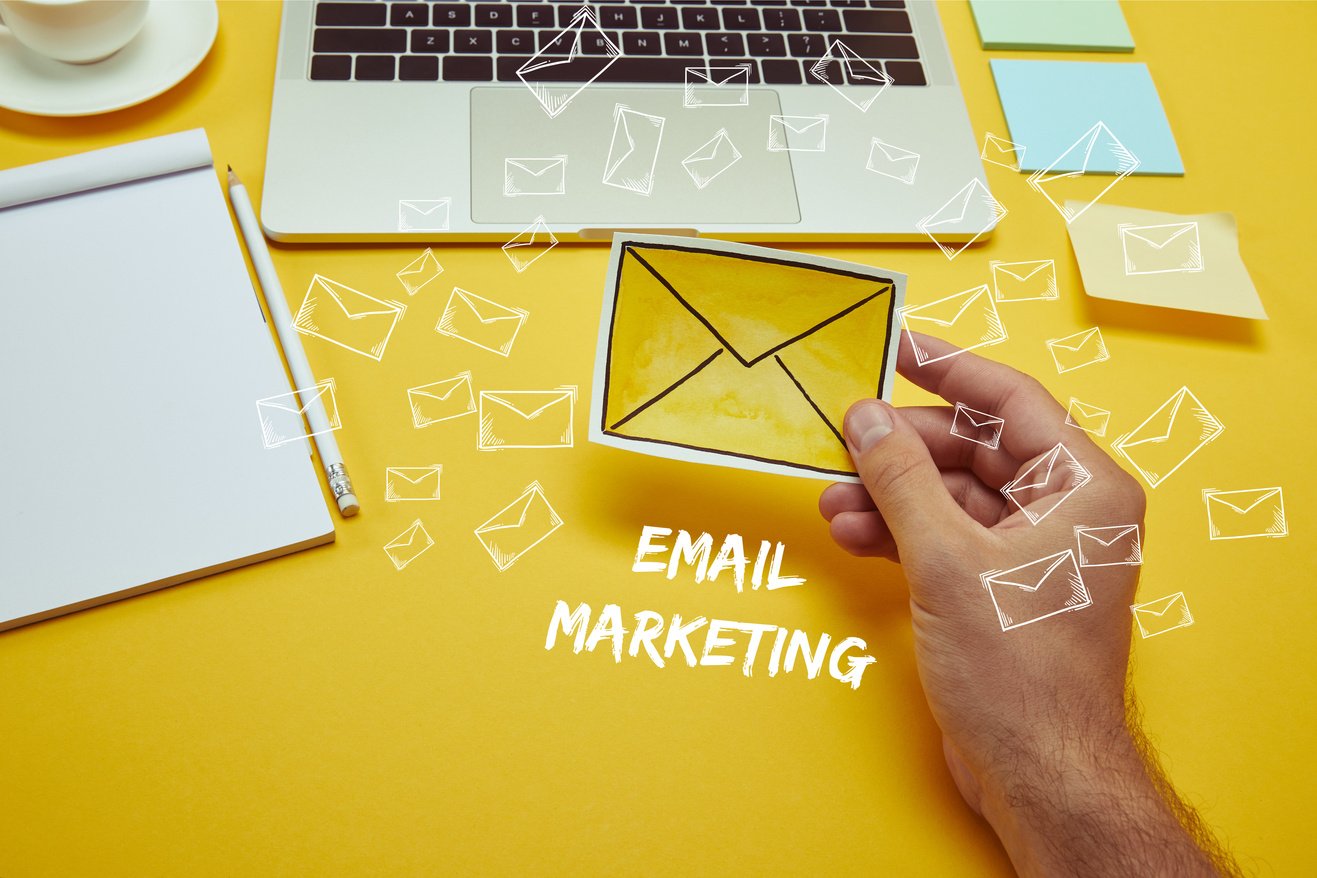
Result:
[[324, 714]]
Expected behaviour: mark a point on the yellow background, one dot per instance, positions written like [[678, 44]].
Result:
[[323, 714]]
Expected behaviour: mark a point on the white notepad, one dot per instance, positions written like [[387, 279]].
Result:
[[132, 353]]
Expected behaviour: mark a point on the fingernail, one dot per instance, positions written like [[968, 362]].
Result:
[[866, 423]]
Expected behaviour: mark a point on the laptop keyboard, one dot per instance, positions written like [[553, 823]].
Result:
[[778, 40]]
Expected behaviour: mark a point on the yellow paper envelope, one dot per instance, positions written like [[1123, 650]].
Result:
[[1118, 546], [797, 133], [1241, 515], [633, 151], [976, 426], [1165, 441], [714, 86], [481, 322], [442, 400], [424, 214], [1046, 484], [420, 271], [535, 176], [1084, 348], [1000, 151], [526, 418], [1089, 418], [562, 69], [1081, 187], [409, 545], [1161, 249], [967, 319], [1024, 281], [892, 161], [412, 482], [282, 414], [1162, 615], [1037, 590], [739, 356], [518, 527], [711, 159], [350, 319], [530, 244], [971, 211], [850, 75]]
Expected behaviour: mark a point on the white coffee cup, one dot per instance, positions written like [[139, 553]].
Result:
[[76, 31]]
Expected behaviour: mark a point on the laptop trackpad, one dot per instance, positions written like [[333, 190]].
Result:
[[696, 177]]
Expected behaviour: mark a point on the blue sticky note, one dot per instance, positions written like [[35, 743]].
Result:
[[1053, 25], [1050, 104]]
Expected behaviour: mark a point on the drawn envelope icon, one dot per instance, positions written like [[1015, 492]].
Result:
[[1037, 590], [409, 545], [1045, 485], [1084, 348], [535, 176], [526, 418], [976, 426], [1161, 249], [711, 159], [481, 322], [717, 86], [420, 271], [892, 161], [518, 527], [1118, 546], [1162, 615], [738, 356], [1096, 152], [971, 211], [797, 133], [412, 482], [424, 214], [633, 151], [1024, 281], [857, 80], [282, 415], [1165, 441], [530, 244], [1089, 418], [1000, 151], [562, 68], [442, 400], [350, 319], [1241, 515], [967, 319]]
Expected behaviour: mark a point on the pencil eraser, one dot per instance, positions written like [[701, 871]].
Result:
[[348, 505]]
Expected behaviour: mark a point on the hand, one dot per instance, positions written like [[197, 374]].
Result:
[[1034, 718]]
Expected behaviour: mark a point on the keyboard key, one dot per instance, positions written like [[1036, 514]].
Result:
[[472, 42], [342, 39], [782, 72], [724, 45], [700, 18], [822, 20], [767, 45], [751, 66], [872, 21], [331, 66], [534, 15], [594, 44], [418, 67], [351, 14], [887, 4], [641, 43], [452, 15], [409, 15], [471, 69], [493, 15], [741, 19], [374, 67], [515, 42], [682, 43], [658, 19], [624, 69], [806, 45], [618, 16], [782, 19], [435, 41], [875, 46], [906, 73]]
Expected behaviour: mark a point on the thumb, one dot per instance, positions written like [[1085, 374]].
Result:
[[896, 468]]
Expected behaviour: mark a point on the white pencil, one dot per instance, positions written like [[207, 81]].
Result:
[[303, 380]]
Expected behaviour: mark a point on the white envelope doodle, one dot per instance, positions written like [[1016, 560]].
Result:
[[1161, 249], [424, 214], [1097, 148], [1162, 615], [419, 272], [530, 244], [481, 322], [967, 319], [711, 159], [1024, 281], [1084, 348], [1035, 591], [282, 415], [409, 545], [1118, 546], [518, 527], [350, 319], [976, 426], [526, 418], [1046, 484], [892, 161], [402, 483], [535, 176], [1165, 441], [1089, 418], [971, 211], [442, 400], [1241, 515], [1000, 151], [849, 75], [562, 69], [797, 133], [717, 86], [633, 152]]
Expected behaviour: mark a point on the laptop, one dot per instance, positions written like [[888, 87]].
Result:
[[757, 120]]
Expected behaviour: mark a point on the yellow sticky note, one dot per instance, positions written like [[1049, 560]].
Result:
[[1185, 261], [740, 356]]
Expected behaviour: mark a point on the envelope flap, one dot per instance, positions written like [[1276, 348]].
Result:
[[485, 310], [528, 403], [1021, 270], [893, 153], [1158, 236], [1076, 341], [514, 514], [979, 419], [1241, 501], [441, 389], [1107, 536], [353, 303], [413, 474], [406, 538], [538, 167], [1085, 410], [1161, 606], [1029, 577]]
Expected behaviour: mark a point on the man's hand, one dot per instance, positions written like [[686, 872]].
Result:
[[1034, 718]]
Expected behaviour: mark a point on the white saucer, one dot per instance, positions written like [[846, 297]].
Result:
[[177, 34]]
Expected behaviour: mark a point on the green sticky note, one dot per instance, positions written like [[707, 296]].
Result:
[[1053, 25]]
